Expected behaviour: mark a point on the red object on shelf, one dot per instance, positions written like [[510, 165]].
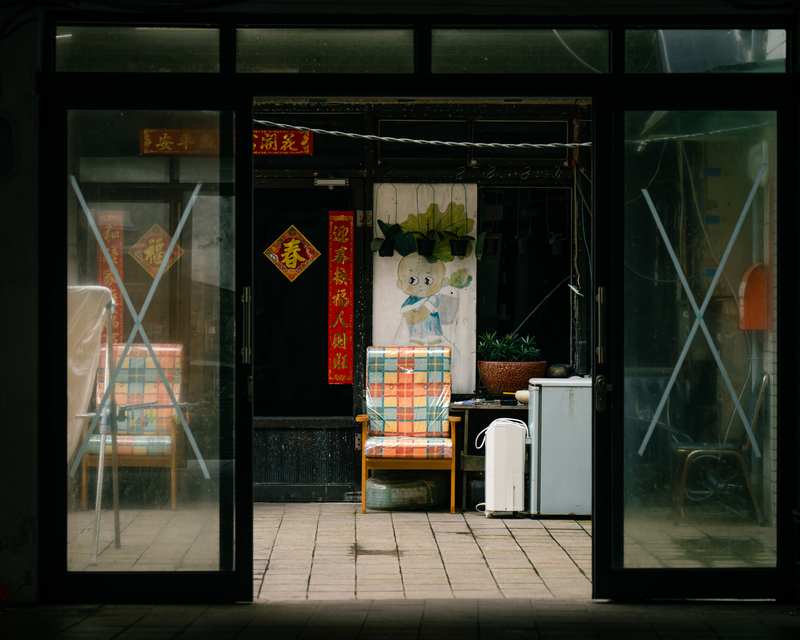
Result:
[[755, 299]]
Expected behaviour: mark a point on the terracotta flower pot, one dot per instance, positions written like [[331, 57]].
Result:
[[499, 377]]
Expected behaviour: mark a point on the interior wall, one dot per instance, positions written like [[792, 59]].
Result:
[[770, 470]]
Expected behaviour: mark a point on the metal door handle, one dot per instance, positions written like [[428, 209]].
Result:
[[601, 387], [601, 342], [246, 333]]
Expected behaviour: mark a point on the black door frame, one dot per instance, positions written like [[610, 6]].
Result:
[[611, 94], [609, 580], [233, 582]]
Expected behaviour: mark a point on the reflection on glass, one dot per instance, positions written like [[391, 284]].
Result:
[[705, 50], [325, 50], [700, 344], [137, 49], [150, 352], [519, 51]]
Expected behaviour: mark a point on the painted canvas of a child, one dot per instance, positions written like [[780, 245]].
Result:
[[421, 280]]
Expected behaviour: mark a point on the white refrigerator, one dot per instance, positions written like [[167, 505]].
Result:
[[560, 456]]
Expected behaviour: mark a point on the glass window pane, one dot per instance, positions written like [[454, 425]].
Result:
[[705, 50], [103, 169], [325, 50], [150, 351], [137, 49], [519, 51], [700, 351]]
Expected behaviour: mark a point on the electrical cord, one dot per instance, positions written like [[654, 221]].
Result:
[[508, 422], [540, 304], [575, 55]]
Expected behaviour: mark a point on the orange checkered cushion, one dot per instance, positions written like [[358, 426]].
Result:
[[405, 447], [408, 402], [145, 431], [408, 391]]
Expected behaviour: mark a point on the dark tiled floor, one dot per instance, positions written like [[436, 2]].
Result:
[[440, 619]]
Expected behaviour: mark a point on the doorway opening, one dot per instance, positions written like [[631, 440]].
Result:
[[527, 216]]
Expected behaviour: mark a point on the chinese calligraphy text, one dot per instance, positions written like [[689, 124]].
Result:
[[340, 297]]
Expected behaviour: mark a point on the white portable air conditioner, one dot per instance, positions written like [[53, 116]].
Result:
[[505, 465]]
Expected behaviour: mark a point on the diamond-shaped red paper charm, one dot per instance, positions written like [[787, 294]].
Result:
[[151, 249], [292, 253]]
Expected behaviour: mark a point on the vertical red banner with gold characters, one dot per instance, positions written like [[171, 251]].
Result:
[[341, 229], [110, 225]]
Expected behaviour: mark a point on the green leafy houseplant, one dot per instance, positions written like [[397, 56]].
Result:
[[394, 237], [436, 228], [459, 227], [427, 239], [510, 348], [506, 363]]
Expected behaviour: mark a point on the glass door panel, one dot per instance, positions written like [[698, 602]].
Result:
[[150, 355], [700, 341]]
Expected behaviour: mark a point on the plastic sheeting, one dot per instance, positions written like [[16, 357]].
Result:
[[408, 391], [86, 317]]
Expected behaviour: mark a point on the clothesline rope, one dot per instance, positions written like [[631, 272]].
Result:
[[441, 143], [491, 145]]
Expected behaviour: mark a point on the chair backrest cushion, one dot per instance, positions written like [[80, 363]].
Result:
[[138, 382], [408, 391]]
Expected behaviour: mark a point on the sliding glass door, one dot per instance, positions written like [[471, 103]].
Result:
[[153, 368]]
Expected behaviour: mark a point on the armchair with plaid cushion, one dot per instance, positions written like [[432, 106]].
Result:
[[408, 423], [148, 435]]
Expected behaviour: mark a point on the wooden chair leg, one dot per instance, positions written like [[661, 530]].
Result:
[[453, 485], [363, 487], [453, 464], [364, 470]]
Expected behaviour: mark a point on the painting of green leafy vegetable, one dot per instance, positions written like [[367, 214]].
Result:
[[441, 226]]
